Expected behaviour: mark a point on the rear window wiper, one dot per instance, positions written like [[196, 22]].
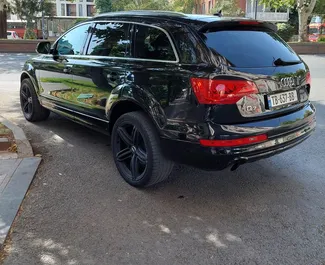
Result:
[[280, 62]]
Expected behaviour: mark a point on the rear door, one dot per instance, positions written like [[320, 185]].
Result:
[[257, 53], [101, 69]]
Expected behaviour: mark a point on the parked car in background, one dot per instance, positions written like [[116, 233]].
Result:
[[12, 35], [169, 87], [316, 28]]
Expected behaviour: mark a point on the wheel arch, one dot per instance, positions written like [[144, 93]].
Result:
[[124, 106], [27, 75]]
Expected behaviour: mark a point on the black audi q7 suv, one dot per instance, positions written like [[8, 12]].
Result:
[[169, 87]]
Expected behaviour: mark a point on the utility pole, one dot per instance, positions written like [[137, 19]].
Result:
[[256, 4], [43, 29], [3, 19]]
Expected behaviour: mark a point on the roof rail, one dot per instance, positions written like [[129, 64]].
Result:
[[143, 12]]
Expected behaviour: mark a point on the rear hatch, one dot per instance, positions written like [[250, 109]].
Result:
[[277, 80]]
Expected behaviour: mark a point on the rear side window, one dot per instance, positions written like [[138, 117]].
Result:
[[153, 43], [109, 39], [249, 48]]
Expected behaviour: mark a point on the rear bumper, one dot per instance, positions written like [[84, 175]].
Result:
[[283, 133]]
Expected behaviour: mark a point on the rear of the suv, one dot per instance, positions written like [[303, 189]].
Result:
[[254, 97]]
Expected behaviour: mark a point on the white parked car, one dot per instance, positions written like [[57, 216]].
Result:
[[12, 35]]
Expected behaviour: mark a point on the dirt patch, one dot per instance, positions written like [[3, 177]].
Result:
[[7, 140]]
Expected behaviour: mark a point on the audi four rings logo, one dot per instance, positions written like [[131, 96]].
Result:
[[288, 82]]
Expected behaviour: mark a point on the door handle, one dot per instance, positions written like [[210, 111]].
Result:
[[112, 76], [67, 69]]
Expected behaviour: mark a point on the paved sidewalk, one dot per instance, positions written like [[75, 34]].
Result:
[[17, 170]]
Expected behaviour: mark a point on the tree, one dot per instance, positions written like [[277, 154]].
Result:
[[28, 10], [3, 19], [120, 5], [304, 8], [229, 8], [185, 6], [103, 5]]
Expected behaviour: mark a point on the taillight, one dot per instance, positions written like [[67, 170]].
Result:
[[308, 78], [234, 142], [218, 91]]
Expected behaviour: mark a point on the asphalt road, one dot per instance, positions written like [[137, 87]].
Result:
[[79, 211]]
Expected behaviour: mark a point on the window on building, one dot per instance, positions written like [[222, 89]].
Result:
[[152, 43], [109, 39], [71, 10], [90, 10], [210, 6], [73, 41], [80, 10], [203, 8], [62, 9]]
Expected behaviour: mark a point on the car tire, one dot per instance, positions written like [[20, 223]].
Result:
[[32, 109], [137, 152]]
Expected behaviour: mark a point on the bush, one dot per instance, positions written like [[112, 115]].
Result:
[[321, 39], [29, 34], [286, 31]]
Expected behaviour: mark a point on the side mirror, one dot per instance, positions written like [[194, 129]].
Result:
[[43, 47]]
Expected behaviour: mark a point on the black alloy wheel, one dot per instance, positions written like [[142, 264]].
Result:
[[131, 151], [137, 150], [26, 100], [30, 105]]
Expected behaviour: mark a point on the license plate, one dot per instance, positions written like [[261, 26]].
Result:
[[282, 98]]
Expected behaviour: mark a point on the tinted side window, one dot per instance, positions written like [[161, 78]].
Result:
[[73, 41], [190, 51], [152, 43], [109, 39]]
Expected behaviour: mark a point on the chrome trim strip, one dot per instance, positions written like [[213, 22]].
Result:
[[125, 58], [279, 140]]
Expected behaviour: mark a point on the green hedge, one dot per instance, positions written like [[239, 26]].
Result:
[[286, 31]]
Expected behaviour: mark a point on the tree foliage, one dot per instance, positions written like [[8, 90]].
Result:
[[103, 5], [304, 8], [185, 6], [319, 7], [28, 10], [121, 5]]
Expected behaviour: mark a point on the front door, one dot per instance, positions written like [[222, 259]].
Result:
[[55, 70]]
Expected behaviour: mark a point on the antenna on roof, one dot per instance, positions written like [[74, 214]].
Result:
[[219, 14]]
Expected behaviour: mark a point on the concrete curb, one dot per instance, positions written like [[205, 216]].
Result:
[[23, 146], [17, 172]]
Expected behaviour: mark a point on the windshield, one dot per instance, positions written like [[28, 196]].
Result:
[[313, 30], [250, 48]]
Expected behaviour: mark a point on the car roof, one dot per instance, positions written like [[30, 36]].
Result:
[[198, 20]]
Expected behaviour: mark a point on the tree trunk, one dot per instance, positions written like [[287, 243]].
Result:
[[304, 12], [303, 18], [3, 20]]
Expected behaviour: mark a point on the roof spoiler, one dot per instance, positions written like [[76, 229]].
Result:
[[237, 23]]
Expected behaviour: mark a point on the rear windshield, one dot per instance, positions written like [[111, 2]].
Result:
[[249, 48]]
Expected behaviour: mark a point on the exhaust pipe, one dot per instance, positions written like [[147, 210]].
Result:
[[238, 163]]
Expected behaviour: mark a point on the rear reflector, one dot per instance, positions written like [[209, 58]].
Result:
[[308, 78], [218, 91], [234, 142]]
